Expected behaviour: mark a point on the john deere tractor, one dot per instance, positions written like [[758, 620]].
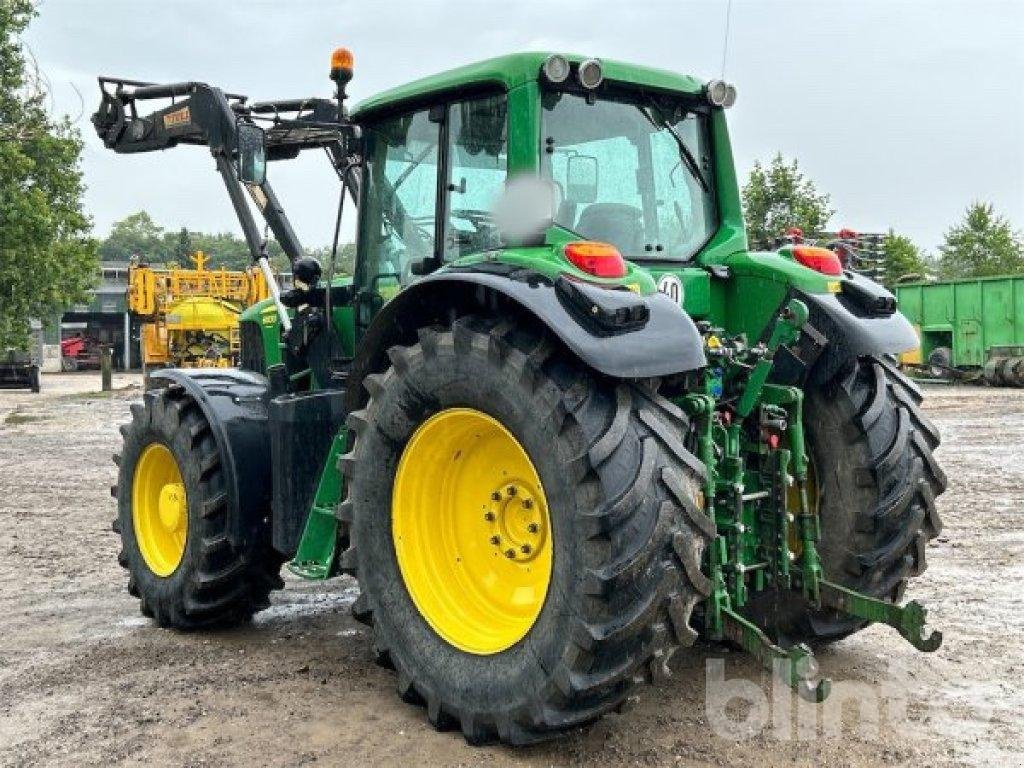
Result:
[[555, 445]]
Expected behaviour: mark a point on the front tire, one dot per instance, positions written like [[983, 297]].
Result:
[[623, 503], [173, 521]]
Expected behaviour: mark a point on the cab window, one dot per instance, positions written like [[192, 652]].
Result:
[[458, 150], [400, 200], [478, 164]]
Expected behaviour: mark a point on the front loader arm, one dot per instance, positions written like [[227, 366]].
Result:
[[202, 115], [198, 114]]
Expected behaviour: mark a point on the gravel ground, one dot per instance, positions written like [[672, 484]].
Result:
[[85, 680]]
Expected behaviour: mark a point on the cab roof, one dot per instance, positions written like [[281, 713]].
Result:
[[516, 69]]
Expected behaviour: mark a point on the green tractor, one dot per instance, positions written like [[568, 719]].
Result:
[[554, 447]]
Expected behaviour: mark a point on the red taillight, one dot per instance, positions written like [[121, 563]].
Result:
[[597, 259], [819, 259]]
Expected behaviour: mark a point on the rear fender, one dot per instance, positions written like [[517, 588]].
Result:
[[616, 332], [861, 321]]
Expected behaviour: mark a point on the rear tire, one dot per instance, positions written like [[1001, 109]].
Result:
[[215, 583], [627, 531], [872, 449]]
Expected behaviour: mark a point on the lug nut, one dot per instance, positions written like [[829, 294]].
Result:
[[525, 549], [511, 490], [495, 540], [489, 516], [510, 553], [496, 496], [527, 503], [533, 527]]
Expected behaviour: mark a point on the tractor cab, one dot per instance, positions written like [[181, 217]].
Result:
[[627, 165], [625, 152]]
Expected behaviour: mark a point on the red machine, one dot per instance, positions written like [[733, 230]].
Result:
[[79, 352]]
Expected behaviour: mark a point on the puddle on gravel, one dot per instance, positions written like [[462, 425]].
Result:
[[296, 604]]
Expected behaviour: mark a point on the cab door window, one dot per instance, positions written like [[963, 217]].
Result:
[[400, 201], [477, 160]]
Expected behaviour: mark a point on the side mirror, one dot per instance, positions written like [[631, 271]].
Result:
[[252, 153], [581, 179]]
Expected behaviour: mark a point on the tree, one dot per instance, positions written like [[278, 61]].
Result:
[[982, 244], [47, 259], [901, 257], [344, 264], [231, 252], [779, 197], [183, 248], [139, 235]]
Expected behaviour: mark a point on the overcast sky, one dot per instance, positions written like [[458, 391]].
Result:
[[904, 112]]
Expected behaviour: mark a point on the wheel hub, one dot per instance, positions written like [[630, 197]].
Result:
[[517, 524], [171, 505]]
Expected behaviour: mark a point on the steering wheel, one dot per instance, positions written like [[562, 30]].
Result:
[[475, 215], [483, 223]]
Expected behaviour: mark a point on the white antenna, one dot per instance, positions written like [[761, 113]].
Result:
[[725, 42]]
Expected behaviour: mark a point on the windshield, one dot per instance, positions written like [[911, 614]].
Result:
[[633, 172]]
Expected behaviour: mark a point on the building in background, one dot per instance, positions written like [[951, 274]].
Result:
[[104, 319]]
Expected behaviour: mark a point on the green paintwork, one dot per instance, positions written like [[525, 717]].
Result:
[[791, 400], [909, 620], [315, 557], [969, 316], [265, 314], [786, 331], [696, 287], [731, 237], [793, 665]]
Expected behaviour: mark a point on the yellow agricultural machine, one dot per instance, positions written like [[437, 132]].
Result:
[[190, 316]]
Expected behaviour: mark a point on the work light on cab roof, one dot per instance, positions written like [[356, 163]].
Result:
[[590, 74], [557, 69], [720, 93]]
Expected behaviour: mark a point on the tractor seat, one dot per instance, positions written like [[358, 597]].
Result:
[[614, 223]]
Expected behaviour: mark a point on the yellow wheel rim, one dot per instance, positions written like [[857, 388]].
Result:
[[159, 509], [471, 531]]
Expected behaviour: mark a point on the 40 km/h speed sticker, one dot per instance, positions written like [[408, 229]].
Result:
[[672, 287]]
